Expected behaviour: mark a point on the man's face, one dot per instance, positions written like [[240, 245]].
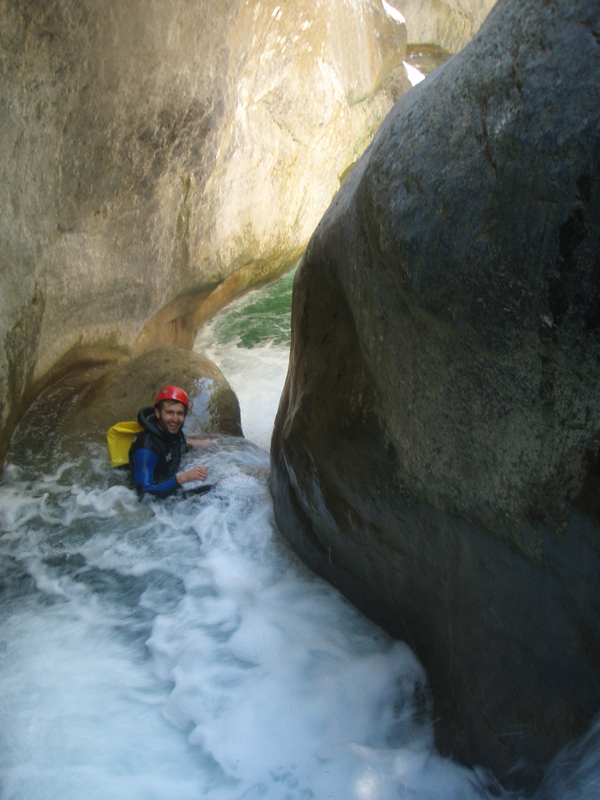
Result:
[[171, 416]]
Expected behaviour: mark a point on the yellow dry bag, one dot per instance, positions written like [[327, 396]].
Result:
[[120, 438]]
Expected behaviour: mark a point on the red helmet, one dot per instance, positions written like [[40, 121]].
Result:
[[172, 393]]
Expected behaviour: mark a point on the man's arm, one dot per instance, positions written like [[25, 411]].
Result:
[[144, 462]]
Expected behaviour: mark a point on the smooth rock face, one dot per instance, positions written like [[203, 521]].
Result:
[[449, 24], [120, 392], [77, 411], [159, 157], [82, 407], [436, 453]]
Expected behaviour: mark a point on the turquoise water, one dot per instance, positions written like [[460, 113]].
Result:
[[262, 317], [249, 340]]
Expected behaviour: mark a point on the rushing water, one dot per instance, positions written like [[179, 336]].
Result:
[[178, 650]]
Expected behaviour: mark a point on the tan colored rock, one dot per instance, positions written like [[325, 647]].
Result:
[[118, 393], [160, 157], [121, 391], [449, 24], [78, 411]]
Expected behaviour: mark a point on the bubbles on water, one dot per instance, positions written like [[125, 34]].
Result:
[[170, 649], [82, 715], [174, 650], [249, 341], [575, 772]]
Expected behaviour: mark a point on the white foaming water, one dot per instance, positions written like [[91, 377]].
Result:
[[257, 377], [178, 650], [249, 341]]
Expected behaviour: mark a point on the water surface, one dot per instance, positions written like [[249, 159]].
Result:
[[170, 650]]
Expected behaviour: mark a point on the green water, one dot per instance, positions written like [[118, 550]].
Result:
[[261, 317], [426, 58]]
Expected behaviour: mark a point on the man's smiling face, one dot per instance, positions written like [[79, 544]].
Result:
[[171, 415]]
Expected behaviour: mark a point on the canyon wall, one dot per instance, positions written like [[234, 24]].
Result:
[[436, 454], [159, 157], [447, 24]]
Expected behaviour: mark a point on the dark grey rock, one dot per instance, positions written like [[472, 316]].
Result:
[[436, 454]]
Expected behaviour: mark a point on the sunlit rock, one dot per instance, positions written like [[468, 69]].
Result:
[[436, 450], [160, 157], [449, 24]]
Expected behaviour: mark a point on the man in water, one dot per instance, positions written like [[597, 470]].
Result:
[[155, 454]]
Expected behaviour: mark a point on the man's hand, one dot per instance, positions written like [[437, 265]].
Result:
[[196, 473]]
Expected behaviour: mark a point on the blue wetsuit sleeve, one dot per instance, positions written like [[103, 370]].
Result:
[[144, 462]]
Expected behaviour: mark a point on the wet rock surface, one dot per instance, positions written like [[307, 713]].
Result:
[[436, 450], [120, 392], [78, 411]]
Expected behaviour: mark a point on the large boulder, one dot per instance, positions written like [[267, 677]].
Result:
[[160, 157], [436, 453], [118, 393], [78, 410]]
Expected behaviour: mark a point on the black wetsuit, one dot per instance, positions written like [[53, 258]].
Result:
[[155, 456]]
